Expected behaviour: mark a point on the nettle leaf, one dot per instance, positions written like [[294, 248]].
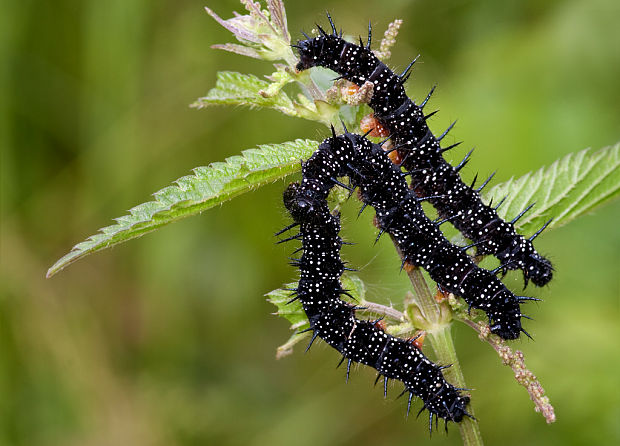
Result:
[[192, 194], [292, 310], [234, 88], [568, 188]]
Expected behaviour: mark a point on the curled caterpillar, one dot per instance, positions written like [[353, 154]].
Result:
[[421, 154], [332, 319]]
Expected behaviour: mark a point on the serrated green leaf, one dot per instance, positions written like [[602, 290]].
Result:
[[568, 188], [294, 313], [192, 194], [233, 88]]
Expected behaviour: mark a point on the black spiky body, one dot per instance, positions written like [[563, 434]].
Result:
[[399, 213], [334, 320], [420, 150]]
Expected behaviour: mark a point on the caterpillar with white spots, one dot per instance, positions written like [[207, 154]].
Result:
[[421, 154], [384, 187], [319, 288]]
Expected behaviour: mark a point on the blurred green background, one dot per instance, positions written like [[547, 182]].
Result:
[[168, 340]]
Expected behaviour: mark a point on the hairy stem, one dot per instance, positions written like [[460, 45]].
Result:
[[438, 320], [314, 90], [441, 340], [523, 375], [384, 310], [430, 309]]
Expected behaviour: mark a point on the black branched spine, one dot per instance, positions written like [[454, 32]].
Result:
[[431, 175]]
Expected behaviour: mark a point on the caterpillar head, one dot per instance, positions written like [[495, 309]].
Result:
[[505, 325], [446, 402], [301, 208], [455, 411], [307, 54], [319, 51], [538, 270], [306, 204]]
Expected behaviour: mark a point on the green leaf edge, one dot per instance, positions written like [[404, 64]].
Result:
[[233, 88], [294, 313], [568, 188], [192, 194]]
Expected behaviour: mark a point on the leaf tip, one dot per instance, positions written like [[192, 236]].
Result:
[[56, 268], [59, 265]]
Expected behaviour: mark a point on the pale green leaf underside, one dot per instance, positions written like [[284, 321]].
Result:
[[192, 194], [568, 188], [234, 88], [294, 313]]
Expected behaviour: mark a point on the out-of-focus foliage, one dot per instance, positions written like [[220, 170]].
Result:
[[192, 194], [94, 117]]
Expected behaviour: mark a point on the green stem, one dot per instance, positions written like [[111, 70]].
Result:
[[441, 340], [430, 309], [437, 321], [390, 312]]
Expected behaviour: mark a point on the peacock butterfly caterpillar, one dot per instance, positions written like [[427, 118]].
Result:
[[421, 155], [384, 187], [333, 319]]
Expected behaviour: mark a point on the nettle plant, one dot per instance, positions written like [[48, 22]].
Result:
[[563, 191]]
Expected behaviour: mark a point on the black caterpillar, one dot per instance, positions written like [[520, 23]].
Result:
[[319, 288], [421, 154], [384, 187]]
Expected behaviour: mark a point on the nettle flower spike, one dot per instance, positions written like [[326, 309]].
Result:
[[263, 33]]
